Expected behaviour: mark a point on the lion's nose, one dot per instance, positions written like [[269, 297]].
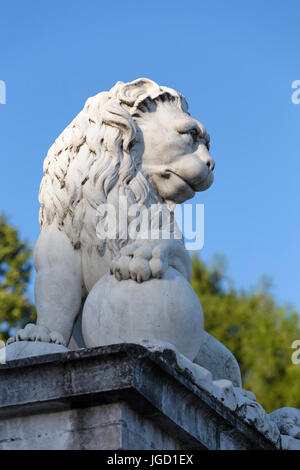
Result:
[[205, 157], [208, 161], [211, 164]]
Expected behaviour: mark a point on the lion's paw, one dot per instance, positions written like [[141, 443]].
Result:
[[57, 338], [139, 261], [33, 332]]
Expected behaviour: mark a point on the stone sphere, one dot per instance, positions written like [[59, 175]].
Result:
[[164, 309]]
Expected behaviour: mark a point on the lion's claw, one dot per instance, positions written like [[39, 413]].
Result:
[[139, 261], [57, 338], [33, 332]]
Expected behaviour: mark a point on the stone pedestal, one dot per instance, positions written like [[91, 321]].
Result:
[[115, 397]]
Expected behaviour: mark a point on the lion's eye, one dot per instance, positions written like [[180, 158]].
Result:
[[194, 134]]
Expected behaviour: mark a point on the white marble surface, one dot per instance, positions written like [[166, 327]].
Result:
[[137, 142], [164, 309]]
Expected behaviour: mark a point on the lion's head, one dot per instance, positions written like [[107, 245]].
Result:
[[136, 140]]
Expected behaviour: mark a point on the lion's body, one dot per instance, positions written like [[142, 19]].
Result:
[[134, 142]]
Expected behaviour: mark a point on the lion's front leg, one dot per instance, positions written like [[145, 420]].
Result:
[[145, 259], [58, 290]]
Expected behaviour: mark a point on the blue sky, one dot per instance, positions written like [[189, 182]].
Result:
[[235, 63]]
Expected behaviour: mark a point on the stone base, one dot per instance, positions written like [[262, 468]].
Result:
[[23, 349], [120, 397], [104, 427]]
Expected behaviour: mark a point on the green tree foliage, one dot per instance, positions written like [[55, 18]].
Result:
[[256, 330], [15, 270]]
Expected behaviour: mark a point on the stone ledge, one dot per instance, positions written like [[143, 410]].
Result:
[[154, 386]]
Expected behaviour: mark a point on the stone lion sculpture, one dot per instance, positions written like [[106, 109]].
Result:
[[136, 142]]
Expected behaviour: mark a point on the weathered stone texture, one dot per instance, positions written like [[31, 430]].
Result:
[[125, 397]]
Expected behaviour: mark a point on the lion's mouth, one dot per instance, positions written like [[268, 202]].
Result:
[[194, 186]]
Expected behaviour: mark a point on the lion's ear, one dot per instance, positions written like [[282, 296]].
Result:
[[135, 92]]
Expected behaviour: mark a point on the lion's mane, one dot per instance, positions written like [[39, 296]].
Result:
[[95, 154]]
